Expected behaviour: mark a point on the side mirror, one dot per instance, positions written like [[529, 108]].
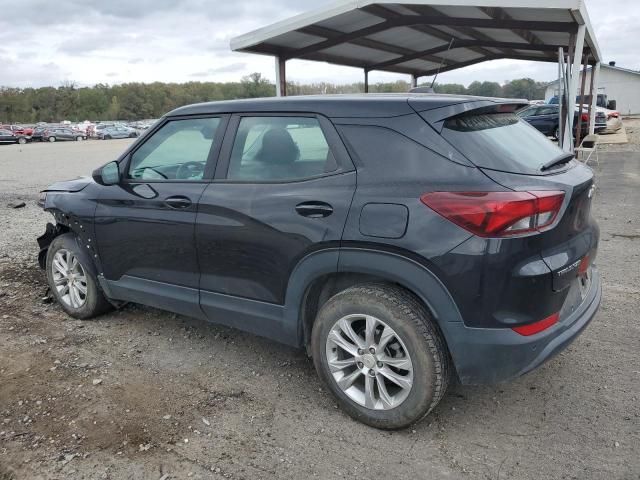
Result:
[[108, 174]]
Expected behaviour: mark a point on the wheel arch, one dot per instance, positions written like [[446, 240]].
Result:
[[319, 276]]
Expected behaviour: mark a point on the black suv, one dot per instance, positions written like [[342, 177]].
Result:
[[402, 239]]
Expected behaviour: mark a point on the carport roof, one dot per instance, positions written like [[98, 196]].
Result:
[[420, 37]]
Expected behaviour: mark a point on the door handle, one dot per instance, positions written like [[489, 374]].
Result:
[[314, 209], [177, 202]]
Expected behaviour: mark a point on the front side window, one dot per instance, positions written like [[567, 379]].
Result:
[[178, 151], [280, 149]]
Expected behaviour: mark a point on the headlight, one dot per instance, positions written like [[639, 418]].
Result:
[[42, 198]]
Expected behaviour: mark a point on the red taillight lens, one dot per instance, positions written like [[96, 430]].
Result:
[[585, 117], [537, 327], [584, 265], [497, 214]]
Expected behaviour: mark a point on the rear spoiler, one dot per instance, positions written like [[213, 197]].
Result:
[[437, 116]]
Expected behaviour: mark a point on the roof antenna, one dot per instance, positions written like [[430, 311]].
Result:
[[441, 64]]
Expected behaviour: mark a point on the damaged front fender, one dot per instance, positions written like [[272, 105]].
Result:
[[44, 240]]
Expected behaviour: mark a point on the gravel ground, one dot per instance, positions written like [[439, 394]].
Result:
[[141, 393]]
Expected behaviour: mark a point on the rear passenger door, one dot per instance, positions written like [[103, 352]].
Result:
[[282, 190]]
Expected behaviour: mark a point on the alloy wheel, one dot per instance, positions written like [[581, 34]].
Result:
[[69, 279], [369, 362]]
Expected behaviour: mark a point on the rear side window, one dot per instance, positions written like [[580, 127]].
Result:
[[500, 141], [279, 149]]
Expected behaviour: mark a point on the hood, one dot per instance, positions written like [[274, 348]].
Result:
[[70, 185]]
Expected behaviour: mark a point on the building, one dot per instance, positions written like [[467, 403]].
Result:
[[619, 84]]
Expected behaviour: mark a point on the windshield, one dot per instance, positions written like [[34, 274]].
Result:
[[500, 141]]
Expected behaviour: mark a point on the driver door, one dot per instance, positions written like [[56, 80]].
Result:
[[145, 225]]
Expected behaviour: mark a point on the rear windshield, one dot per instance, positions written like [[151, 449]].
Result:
[[500, 141]]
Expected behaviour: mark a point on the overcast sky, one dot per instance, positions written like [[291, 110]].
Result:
[[45, 42]]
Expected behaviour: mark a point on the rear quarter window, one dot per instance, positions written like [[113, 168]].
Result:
[[500, 141]]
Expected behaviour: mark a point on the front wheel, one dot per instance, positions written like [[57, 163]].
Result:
[[71, 281], [52, 139], [22, 140], [378, 350], [79, 139]]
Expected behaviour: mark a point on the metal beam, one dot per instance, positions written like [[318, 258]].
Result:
[[475, 61], [498, 13], [411, 20], [281, 77], [595, 76], [568, 144], [366, 81], [382, 12], [465, 44], [582, 87], [465, 30], [329, 33]]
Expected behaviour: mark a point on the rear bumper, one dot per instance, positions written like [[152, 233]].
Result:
[[487, 356]]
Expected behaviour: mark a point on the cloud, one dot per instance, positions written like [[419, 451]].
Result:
[[182, 40], [231, 68]]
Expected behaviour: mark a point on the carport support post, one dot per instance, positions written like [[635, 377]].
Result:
[[366, 81], [414, 81], [281, 77], [574, 74], [580, 108], [595, 76]]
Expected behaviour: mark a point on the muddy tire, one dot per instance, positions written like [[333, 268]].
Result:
[[72, 281], [379, 351]]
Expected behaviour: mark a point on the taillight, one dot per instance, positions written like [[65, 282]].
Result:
[[497, 214], [584, 265], [585, 117], [537, 327]]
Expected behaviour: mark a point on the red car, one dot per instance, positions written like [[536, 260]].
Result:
[[18, 130]]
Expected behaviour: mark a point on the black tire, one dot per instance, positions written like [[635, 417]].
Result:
[[51, 139], [95, 302], [79, 139], [556, 133], [414, 325], [107, 137]]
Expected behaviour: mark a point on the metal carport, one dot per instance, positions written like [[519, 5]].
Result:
[[424, 37]]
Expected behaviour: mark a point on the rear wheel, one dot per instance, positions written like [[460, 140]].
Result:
[[107, 137], [379, 352], [71, 282], [52, 139], [79, 139]]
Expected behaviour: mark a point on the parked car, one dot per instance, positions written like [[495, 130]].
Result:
[[546, 119], [465, 247], [38, 132], [8, 136], [19, 130], [62, 134], [108, 133]]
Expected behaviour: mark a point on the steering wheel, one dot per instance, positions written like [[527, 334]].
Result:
[[190, 170]]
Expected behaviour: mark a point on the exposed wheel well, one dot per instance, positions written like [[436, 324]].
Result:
[[45, 240], [323, 288]]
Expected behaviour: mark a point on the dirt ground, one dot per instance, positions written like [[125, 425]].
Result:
[[141, 393]]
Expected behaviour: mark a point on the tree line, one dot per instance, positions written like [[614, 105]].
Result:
[[135, 101]]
